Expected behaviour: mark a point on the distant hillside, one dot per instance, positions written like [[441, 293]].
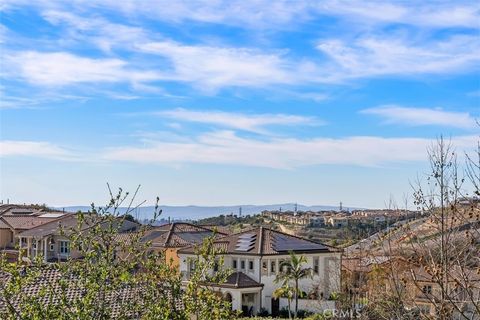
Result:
[[199, 212]]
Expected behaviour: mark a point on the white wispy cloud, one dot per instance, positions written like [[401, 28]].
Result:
[[39, 149], [423, 116], [250, 14], [345, 56], [225, 147], [63, 68], [281, 13], [239, 121], [214, 67], [378, 56], [99, 31], [425, 13]]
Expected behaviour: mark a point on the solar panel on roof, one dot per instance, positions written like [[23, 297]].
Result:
[[247, 236], [51, 215], [287, 243], [194, 237], [246, 242], [21, 211], [153, 235]]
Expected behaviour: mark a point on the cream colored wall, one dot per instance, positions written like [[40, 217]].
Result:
[[5, 238], [73, 253], [172, 256]]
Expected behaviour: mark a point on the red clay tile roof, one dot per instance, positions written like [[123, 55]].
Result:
[[25, 222], [4, 224], [48, 278], [67, 221], [264, 241], [15, 209], [239, 280], [178, 234], [221, 229]]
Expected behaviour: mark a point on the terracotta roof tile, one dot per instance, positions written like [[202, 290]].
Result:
[[178, 234], [25, 222], [50, 278], [264, 241], [239, 280], [68, 221], [4, 224]]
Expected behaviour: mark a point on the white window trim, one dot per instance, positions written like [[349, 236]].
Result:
[[66, 247]]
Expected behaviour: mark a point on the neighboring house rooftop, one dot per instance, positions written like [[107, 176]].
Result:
[[16, 217], [4, 224], [239, 280], [52, 227], [178, 234], [264, 241], [220, 229], [66, 222], [455, 274], [49, 278], [32, 210], [22, 222], [366, 264]]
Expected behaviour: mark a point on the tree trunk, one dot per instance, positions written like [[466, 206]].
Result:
[[296, 297]]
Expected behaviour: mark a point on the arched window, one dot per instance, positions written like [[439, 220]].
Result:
[[228, 297]]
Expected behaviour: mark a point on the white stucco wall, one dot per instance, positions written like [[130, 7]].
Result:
[[327, 280], [309, 305]]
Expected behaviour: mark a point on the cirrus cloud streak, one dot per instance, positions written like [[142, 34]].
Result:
[[423, 116], [227, 148], [240, 121], [38, 149]]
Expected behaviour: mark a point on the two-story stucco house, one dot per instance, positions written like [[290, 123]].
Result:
[[52, 244], [15, 219], [255, 256], [169, 238]]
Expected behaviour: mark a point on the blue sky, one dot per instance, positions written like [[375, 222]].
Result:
[[231, 102]]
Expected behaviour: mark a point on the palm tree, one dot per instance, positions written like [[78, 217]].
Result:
[[293, 270], [285, 291]]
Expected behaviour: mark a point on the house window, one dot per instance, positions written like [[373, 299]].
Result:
[[191, 266], [234, 264], [52, 246], [250, 265], [264, 267], [65, 247], [316, 262], [242, 264], [273, 266], [427, 289], [23, 242], [281, 266]]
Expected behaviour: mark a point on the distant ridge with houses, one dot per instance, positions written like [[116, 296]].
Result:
[[193, 212]]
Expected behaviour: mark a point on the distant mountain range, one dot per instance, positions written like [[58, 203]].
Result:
[[199, 212]]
